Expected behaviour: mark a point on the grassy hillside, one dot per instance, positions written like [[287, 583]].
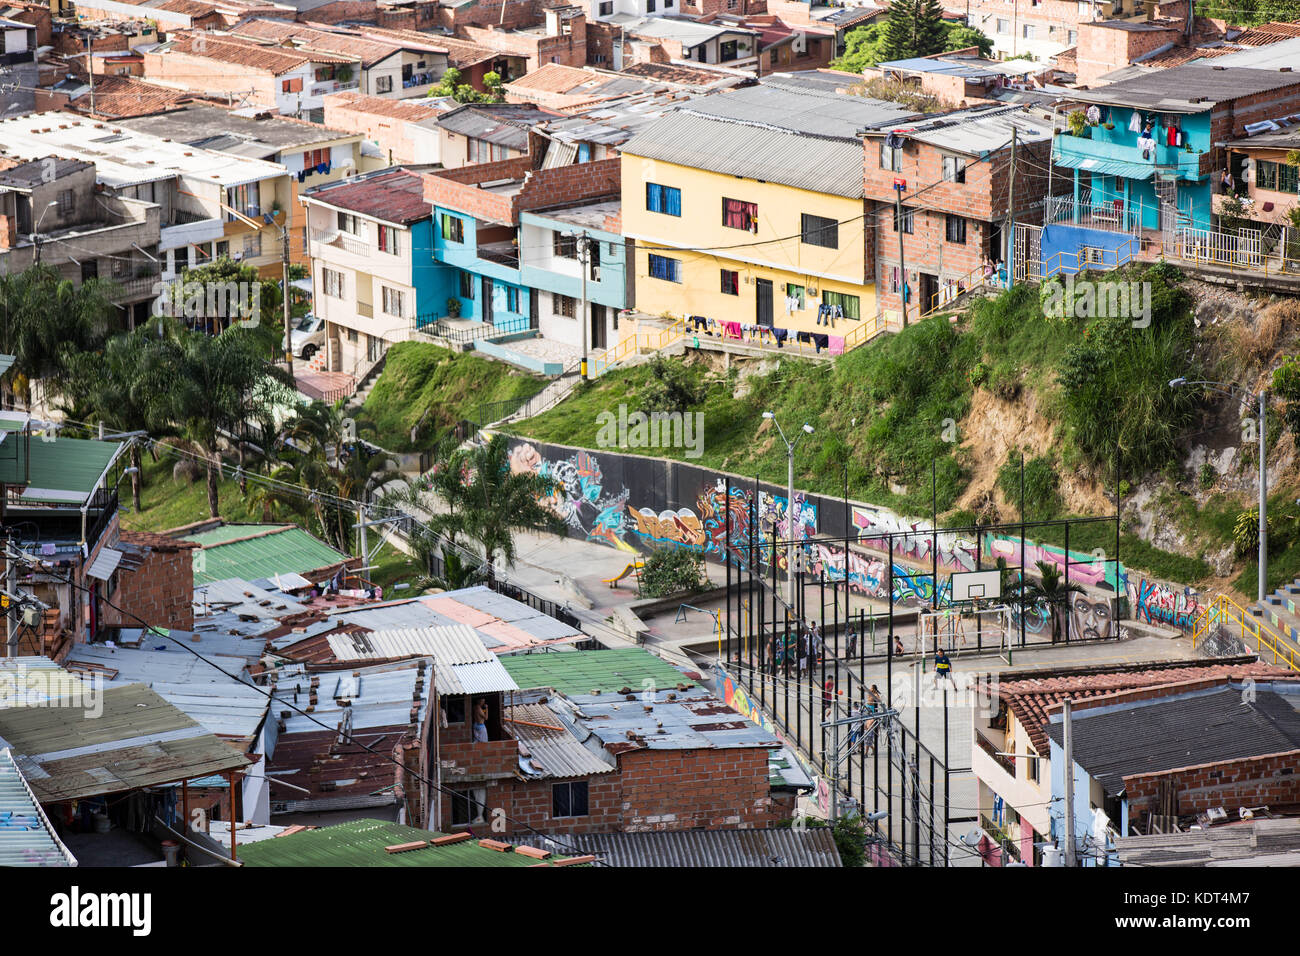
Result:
[[1077, 393], [168, 502], [431, 388]]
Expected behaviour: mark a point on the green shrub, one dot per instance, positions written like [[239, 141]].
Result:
[[671, 570], [1042, 485]]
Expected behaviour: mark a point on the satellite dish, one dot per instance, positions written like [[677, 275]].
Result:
[[972, 837]]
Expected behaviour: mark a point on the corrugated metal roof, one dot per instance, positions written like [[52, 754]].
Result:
[[26, 836], [242, 597], [105, 564], [278, 550], [667, 720], [132, 738], [362, 843], [775, 847], [832, 166], [6, 362], [27, 681], [66, 470], [451, 644], [550, 748], [587, 672]]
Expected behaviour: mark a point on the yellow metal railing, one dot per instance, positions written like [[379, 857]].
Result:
[[662, 338], [865, 331], [967, 283], [1224, 611]]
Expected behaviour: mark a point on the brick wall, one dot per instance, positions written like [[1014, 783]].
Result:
[[690, 789], [456, 189], [1103, 49], [1269, 780], [539, 48], [1229, 120], [160, 590], [981, 200], [600, 43], [38, 16], [362, 10]]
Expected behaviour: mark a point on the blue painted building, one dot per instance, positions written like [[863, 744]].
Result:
[[476, 264], [1150, 161]]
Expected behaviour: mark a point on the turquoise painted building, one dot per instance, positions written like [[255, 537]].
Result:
[[476, 264]]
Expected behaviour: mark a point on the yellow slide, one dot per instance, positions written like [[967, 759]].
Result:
[[633, 568]]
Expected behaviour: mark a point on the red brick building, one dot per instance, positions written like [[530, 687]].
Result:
[[156, 581], [954, 173]]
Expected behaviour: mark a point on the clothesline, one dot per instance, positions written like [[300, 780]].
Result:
[[765, 334]]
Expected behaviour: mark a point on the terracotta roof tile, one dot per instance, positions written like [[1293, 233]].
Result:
[[394, 196], [296, 36], [248, 53], [1031, 698], [459, 52], [119, 97], [411, 110], [155, 541]]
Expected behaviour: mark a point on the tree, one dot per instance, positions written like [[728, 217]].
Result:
[[914, 28], [214, 385], [124, 388], [487, 502], [450, 85], [869, 45], [45, 320], [1051, 591]]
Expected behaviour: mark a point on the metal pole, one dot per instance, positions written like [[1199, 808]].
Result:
[[1263, 498], [284, 264], [1069, 784], [902, 266], [1011, 215], [583, 320], [789, 524]]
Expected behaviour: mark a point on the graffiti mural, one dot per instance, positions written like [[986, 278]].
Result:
[[580, 497], [1153, 602]]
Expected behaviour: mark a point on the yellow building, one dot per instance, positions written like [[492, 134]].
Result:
[[747, 207]]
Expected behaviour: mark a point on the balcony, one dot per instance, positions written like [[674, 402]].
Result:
[[1006, 763], [331, 86], [1093, 153], [365, 310], [502, 253], [132, 290], [494, 760]]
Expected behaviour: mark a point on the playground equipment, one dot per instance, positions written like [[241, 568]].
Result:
[[634, 568]]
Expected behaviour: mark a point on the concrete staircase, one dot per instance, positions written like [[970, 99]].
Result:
[[1281, 611]]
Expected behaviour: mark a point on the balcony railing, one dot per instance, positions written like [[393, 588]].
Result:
[[1006, 763]]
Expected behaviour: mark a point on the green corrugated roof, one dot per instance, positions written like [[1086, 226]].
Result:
[[229, 532], [362, 842], [65, 470], [582, 672], [278, 552]]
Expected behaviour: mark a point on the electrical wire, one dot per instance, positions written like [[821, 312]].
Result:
[[350, 738]]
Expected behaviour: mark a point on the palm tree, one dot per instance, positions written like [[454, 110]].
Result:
[[1052, 591], [216, 384], [487, 502], [44, 321]]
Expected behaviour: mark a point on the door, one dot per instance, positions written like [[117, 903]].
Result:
[[487, 301], [763, 302], [598, 327], [532, 309], [929, 290]]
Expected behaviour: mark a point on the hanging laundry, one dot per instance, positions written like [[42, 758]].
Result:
[[821, 341], [1135, 122], [1093, 115], [780, 336], [836, 344]]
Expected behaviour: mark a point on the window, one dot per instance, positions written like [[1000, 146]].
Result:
[[467, 285], [664, 199], [1027, 31], [730, 282], [955, 230], [1031, 766], [726, 51], [891, 159], [481, 151], [849, 303], [223, 249], [349, 223], [453, 228], [1072, 37], [353, 336], [794, 295], [245, 199], [564, 305], [467, 806], [315, 157], [512, 299], [332, 282], [394, 302], [819, 231], [291, 86], [383, 84], [564, 247], [954, 169], [650, 6], [907, 220], [389, 240], [1276, 176], [569, 799], [67, 203], [737, 214], [661, 267], [1004, 26], [606, 9], [121, 267]]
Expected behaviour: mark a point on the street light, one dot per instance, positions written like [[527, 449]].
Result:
[[36, 233], [1262, 398], [789, 501]]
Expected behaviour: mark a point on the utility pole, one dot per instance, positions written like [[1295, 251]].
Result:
[[361, 534], [1263, 499], [581, 240], [902, 265], [284, 261], [1011, 214], [90, 72], [1068, 735], [11, 612]]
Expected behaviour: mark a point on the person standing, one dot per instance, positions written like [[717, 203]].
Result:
[[942, 668], [480, 721], [815, 642]]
